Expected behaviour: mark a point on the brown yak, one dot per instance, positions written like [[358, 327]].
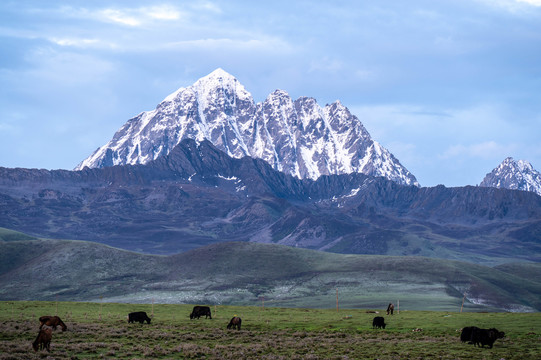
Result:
[[235, 322], [43, 341], [52, 321]]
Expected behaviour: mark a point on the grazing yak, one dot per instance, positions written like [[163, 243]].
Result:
[[235, 322], [52, 321], [390, 309], [480, 337], [378, 323], [139, 316], [466, 334], [43, 341], [199, 311]]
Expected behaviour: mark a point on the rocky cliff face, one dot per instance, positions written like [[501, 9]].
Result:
[[297, 137], [515, 175]]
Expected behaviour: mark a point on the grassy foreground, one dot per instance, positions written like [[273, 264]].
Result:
[[101, 331]]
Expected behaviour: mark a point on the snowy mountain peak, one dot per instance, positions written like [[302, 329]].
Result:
[[219, 79], [297, 137], [515, 175], [219, 73]]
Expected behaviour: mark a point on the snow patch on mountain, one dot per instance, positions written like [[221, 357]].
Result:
[[515, 175], [297, 137]]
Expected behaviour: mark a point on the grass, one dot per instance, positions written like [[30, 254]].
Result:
[[100, 330]]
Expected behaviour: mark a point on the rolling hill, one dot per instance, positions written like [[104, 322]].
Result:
[[243, 273]]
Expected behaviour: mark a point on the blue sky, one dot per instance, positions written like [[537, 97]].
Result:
[[451, 88]]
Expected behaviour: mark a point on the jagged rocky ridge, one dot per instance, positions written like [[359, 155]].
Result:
[[198, 195], [514, 174], [295, 137]]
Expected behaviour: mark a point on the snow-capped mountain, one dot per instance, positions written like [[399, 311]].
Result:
[[515, 175], [298, 137]]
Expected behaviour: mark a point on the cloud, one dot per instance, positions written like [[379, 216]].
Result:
[[118, 16], [339, 67], [207, 6], [74, 42], [265, 44], [326, 64], [139, 16], [516, 7], [197, 26], [485, 150], [442, 127], [65, 68], [131, 17], [165, 12], [6, 127], [531, 2]]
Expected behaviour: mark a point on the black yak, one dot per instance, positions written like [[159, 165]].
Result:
[[199, 311], [482, 337], [378, 323], [139, 316], [466, 334]]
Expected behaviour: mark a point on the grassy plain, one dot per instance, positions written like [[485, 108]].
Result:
[[100, 330]]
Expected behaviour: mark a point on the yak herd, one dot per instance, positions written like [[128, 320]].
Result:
[[470, 334]]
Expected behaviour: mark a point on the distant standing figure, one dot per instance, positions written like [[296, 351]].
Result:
[[139, 316], [390, 309], [235, 322]]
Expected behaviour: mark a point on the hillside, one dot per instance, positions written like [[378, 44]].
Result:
[[10, 235], [242, 273]]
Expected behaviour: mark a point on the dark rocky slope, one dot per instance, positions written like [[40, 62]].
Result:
[[198, 195]]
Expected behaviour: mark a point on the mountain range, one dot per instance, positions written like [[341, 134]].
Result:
[[198, 195], [209, 165], [297, 137]]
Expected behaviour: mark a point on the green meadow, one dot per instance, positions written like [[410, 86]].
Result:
[[239, 273], [101, 330]]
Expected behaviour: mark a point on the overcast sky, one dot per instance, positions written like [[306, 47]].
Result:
[[451, 88]]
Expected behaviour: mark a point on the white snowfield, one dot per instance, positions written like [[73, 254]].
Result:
[[296, 137]]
